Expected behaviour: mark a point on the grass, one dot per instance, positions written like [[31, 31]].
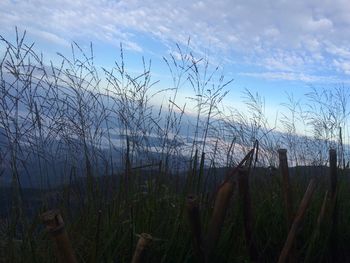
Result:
[[117, 166]]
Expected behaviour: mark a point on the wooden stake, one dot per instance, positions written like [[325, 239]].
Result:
[[217, 220], [144, 241], [283, 163], [55, 227]]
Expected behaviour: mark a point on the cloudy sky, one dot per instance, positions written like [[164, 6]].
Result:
[[270, 46]]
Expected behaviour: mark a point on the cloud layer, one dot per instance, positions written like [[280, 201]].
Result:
[[302, 40]]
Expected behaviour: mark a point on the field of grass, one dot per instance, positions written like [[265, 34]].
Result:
[[116, 166], [106, 227]]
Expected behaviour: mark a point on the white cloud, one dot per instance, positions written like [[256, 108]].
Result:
[[290, 76], [282, 75], [282, 36], [50, 37], [342, 65], [339, 51]]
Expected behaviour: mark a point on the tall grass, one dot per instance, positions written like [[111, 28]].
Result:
[[93, 143]]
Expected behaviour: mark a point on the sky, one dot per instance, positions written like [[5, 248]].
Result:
[[267, 46]]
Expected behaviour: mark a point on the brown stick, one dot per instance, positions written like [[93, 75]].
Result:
[[195, 226], [144, 241], [220, 207], [305, 202], [55, 227], [283, 163], [223, 196], [243, 186], [233, 171]]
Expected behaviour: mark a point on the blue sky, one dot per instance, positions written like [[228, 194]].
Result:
[[266, 46]]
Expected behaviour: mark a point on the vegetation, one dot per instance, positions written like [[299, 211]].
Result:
[[117, 166]]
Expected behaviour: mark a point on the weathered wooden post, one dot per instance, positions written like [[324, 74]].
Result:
[[55, 227], [283, 163], [144, 241], [222, 200]]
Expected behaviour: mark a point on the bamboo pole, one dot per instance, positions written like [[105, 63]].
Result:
[[222, 200], [283, 163], [305, 202], [244, 191], [220, 207], [195, 226], [55, 227], [287, 195], [144, 241]]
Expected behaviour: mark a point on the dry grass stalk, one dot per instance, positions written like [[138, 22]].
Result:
[[283, 163], [220, 207], [195, 225], [243, 185], [144, 241], [305, 202], [55, 227]]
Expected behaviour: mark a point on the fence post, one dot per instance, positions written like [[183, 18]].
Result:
[[283, 163]]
